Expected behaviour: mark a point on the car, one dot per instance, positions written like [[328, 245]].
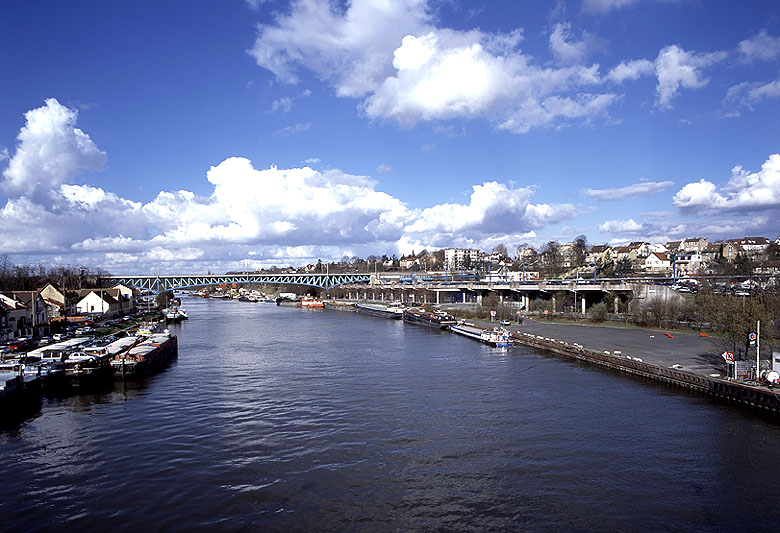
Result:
[[59, 336], [506, 323]]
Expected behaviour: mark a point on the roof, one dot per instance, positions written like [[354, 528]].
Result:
[[663, 256], [760, 241], [599, 248], [109, 295]]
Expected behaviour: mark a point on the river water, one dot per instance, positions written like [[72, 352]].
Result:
[[282, 419]]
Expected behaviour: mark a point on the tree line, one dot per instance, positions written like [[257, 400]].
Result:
[[67, 278]]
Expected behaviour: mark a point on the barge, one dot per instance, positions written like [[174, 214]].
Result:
[[432, 319], [498, 337], [143, 354], [393, 310]]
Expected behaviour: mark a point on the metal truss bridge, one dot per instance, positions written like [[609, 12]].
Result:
[[164, 283]]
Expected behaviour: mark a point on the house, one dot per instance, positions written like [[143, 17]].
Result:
[[55, 300], [407, 263], [601, 252], [17, 318], [127, 297], [38, 310], [5, 331], [657, 263], [687, 263], [752, 246], [696, 244], [104, 302], [712, 252], [731, 250], [526, 255], [673, 246]]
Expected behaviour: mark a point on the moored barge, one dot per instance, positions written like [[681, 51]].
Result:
[[432, 319], [393, 310], [143, 355], [498, 337]]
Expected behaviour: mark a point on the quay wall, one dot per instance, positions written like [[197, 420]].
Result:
[[754, 397]]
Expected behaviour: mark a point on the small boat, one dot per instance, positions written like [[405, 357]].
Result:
[[433, 319], [499, 337], [312, 303], [393, 310], [175, 314]]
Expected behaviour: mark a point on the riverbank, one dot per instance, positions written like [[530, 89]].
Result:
[[687, 360], [684, 360]]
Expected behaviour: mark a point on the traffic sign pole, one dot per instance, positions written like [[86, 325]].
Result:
[[758, 350]]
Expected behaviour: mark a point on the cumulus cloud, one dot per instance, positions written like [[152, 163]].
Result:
[[406, 69], [631, 70], [51, 151], [273, 215], [350, 47], [493, 208], [675, 68], [638, 189], [760, 47], [621, 226], [745, 191]]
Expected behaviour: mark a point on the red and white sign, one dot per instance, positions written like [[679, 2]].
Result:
[[728, 356]]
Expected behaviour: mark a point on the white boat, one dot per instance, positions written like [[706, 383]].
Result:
[[175, 314], [498, 337]]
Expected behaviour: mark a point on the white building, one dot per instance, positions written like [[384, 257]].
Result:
[[458, 258]]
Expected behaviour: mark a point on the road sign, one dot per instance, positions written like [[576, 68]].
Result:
[[752, 336], [728, 356], [518, 313]]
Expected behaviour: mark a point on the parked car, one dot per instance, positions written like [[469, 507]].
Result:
[[506, 323]]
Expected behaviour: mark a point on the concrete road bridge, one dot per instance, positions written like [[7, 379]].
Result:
[[407, 287]]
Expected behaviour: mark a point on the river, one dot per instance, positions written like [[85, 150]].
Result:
[[282, 419]]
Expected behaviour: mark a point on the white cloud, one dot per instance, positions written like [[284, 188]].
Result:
[[405, 69], [631, 70], [295, 129], [567, 49], [621, 226], [603, 6], [351, 47], [638, 189], [385, 169], [744, 192], [276, 214], [748, 94], [283, 104], [760, 47], [493, 208], [676, 68], [254, 4], [51, 151]]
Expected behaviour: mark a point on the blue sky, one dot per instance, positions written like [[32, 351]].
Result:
[[201, 135]]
